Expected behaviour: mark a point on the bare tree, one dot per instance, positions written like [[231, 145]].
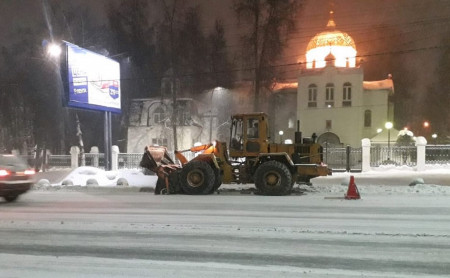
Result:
[[271, 23], [171, 11], [221, 70], [192, 43], [28, 94]]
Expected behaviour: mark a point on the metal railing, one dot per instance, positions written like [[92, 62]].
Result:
[[53, 161], [129, 160], [437, 154], [59, 161], [92, 159], [395, 155], [343, 158]]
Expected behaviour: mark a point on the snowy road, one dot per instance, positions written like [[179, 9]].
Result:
[[117, 234]]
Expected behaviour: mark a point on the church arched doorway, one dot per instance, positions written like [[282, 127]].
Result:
[[329, 139]]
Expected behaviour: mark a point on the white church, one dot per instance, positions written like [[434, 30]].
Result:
[[333, 101]]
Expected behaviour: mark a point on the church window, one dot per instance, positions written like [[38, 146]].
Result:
[[329, 95], [328, 124], [367, 118], [312, 95], [159, 141], [291, 120], [135, 113], [158, 115], [347, 94]]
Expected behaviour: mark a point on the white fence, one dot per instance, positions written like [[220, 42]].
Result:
[[370, 156], [337, 158], [93, 158]]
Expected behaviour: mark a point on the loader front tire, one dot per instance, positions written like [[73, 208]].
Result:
[[197, 178], [160, 186], [273, 178], [217, 181]]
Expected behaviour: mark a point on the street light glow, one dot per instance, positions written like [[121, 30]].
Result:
[[426, 124], [54, 50], [388, 125]]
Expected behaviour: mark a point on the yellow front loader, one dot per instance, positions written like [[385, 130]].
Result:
[[251, 158]]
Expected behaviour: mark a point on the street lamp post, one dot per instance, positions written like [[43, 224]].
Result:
[[426, 129], [211, 115], [388, 126], [281, 136]]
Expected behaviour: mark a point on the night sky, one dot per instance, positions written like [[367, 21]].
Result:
[[423, 22], [420, 27]]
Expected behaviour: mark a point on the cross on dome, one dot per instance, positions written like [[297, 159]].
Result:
[[334, 42]]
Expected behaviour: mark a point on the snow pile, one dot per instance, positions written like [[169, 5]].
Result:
[[85, 175], [389, 179]]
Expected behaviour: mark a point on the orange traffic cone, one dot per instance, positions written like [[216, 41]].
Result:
[[352, 192]]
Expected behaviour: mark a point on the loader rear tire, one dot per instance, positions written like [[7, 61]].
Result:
[[273, 178], [197, 178]]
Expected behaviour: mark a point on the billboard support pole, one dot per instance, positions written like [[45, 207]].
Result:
[[110, 140], [107, 137]]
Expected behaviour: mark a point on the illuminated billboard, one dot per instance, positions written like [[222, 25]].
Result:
[[92, 80]]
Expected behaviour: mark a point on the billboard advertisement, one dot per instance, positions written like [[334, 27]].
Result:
[[92, 80]]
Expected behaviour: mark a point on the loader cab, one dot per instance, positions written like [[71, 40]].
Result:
[[248, 135]]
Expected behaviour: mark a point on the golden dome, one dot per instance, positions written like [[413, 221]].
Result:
[[334, 42], [331, 37]]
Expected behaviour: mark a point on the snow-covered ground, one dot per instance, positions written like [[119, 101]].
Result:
[[386, 179], [395, 230]]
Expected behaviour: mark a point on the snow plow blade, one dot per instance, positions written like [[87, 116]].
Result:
[[157, 160]]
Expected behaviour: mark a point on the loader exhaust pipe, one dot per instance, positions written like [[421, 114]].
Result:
[[298, 134]]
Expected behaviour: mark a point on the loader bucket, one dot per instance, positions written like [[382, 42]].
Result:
[[157, 159], [155, 156]]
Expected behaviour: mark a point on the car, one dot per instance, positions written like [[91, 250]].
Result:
[[16, 177]]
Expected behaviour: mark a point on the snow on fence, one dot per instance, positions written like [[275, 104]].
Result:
[[395, 155], [352, 159], [437, 154], [129, 160], [343, 158], [124, 160]]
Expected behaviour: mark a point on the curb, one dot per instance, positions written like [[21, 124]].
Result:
[[78, 188]]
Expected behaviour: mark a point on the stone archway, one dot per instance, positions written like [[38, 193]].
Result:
[[328, 138]]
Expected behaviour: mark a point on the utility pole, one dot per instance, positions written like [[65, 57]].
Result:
[[80, 140], [175, 111], [170, 17]]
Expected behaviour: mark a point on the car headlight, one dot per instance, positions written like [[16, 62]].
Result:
[[3, 173], [30, 172]]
